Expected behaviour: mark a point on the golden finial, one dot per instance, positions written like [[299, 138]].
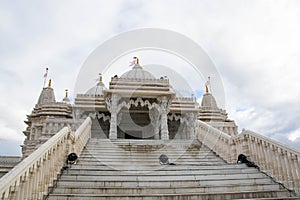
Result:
[[207, 83], [49, 84], [136, 60], [100, 77], [66, 93], [206, 88]]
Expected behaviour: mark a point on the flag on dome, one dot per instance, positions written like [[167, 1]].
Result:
[[132, 63], [207, 82], [46, 74]]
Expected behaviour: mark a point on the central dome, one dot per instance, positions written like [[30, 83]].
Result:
[[137, 72]]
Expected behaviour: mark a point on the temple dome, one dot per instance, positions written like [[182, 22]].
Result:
[[209, 101], [137, 72], [47, 96], [97, 89]]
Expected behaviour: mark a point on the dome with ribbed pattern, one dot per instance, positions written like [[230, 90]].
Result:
[[137, 72]]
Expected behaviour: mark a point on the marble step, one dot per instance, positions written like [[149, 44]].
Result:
[[118, 163], [160, 172], [164, 190], [160, 183], [274, 194], [142, 157], [150, 157], [141, 141], [119, 149], [164, 167], [127, 148], [151, 177]]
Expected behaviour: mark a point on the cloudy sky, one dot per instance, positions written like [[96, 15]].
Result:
[[255, 46]]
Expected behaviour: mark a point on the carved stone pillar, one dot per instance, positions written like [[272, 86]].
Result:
[[112, 105], [164, 118], [191, 117], [296, 176], [275, 165], [154, 116], [282, 156]]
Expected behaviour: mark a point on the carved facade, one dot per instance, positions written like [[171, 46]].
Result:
[[136, 105]]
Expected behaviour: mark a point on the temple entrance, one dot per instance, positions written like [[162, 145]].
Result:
[[135, 123]]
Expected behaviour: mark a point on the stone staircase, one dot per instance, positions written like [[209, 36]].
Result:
[[130, 169]]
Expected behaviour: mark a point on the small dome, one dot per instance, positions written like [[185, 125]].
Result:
[[47, 96], [66, 99], [209, 101], [137, 72], [97, 89]]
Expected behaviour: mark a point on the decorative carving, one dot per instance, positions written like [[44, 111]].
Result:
[[113, 105], [78, 113], [103, 116], [165, 106], [131, 102]]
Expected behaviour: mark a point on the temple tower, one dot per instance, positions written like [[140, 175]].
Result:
[[46, 119], [214, 116]]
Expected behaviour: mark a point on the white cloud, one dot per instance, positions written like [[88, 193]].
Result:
[[294, 135]]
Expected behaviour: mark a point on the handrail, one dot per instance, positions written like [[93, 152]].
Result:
[[274, 158], [31, 178], [81, 136], [279, 144], [214, 130], [216, 140]]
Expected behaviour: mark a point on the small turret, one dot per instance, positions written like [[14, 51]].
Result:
[[213, 115], [66, 99]]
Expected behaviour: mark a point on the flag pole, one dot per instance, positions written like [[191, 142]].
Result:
[[209, 84], [45, 77]]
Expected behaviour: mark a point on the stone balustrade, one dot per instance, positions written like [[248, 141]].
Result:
[[275, 159], [215, 139], [31, 178]]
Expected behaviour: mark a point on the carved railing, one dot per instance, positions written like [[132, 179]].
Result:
[[216, 140], [279, 161], [274, 158], [31, 178]]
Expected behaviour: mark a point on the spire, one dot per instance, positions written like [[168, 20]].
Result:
[[100, 77], [137, 62], [66, 93], [45, 76], [47, 95], [66, 99], [100, 83], [207, 83]]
